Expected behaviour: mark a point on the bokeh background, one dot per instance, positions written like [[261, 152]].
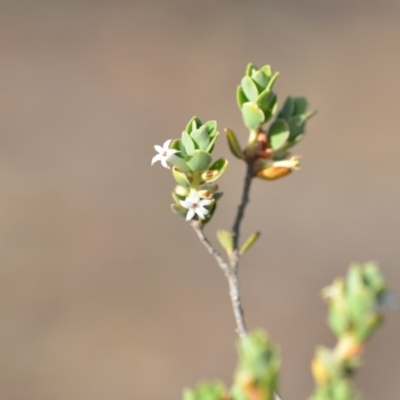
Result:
[[105, 294]]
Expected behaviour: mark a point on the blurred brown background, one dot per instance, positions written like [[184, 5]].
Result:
[[105, 294]]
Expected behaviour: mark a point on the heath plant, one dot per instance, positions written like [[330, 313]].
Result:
[[355, 302]]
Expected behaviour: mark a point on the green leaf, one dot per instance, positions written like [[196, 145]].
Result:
[[178, 209], [177, 145], [176, 197], [240, 97], [287, 109], [258, 368], [272, 80], [210, 146], [249, 242], [179, 163], [198, 160], [374, 278], [297, 124], [250, 69], [193, 124], [215, 171], [338, 318], [278, 134], [260, 80], [265, 99], [181, 178], [225, 240], [206, 391], [365, 330], [200, 138], [272, 108], [267, 71], [253, 117], [211, 210], [300, 105], [295, 140], [354, 278], [343, 390], [360, 304], [211, 128], [217, 196], [249, 88], [188, 143], [212, 134], [234, 145]]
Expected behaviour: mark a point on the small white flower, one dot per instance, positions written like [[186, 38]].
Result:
[[195, 205], [164, 153]]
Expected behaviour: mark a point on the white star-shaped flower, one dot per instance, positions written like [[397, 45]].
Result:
[[195, 205], [164, 153]]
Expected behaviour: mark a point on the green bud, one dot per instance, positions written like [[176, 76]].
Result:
[[182, 191], [234, 145], [178, 209], [180, 177], [249, 242]]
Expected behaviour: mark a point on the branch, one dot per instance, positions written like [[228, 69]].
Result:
[[239, 216], [198, 228], [231, 276], [231, 269]]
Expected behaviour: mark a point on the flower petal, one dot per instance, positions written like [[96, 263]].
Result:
[[190, 214], [205, 202], [167, 144], [200, 212], [156, 158], [170, 152], [164, 163], [186, 203]]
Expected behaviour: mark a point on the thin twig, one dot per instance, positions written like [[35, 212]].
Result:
[[231, 269], [231, 276], [241, 209], [198, 228]]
